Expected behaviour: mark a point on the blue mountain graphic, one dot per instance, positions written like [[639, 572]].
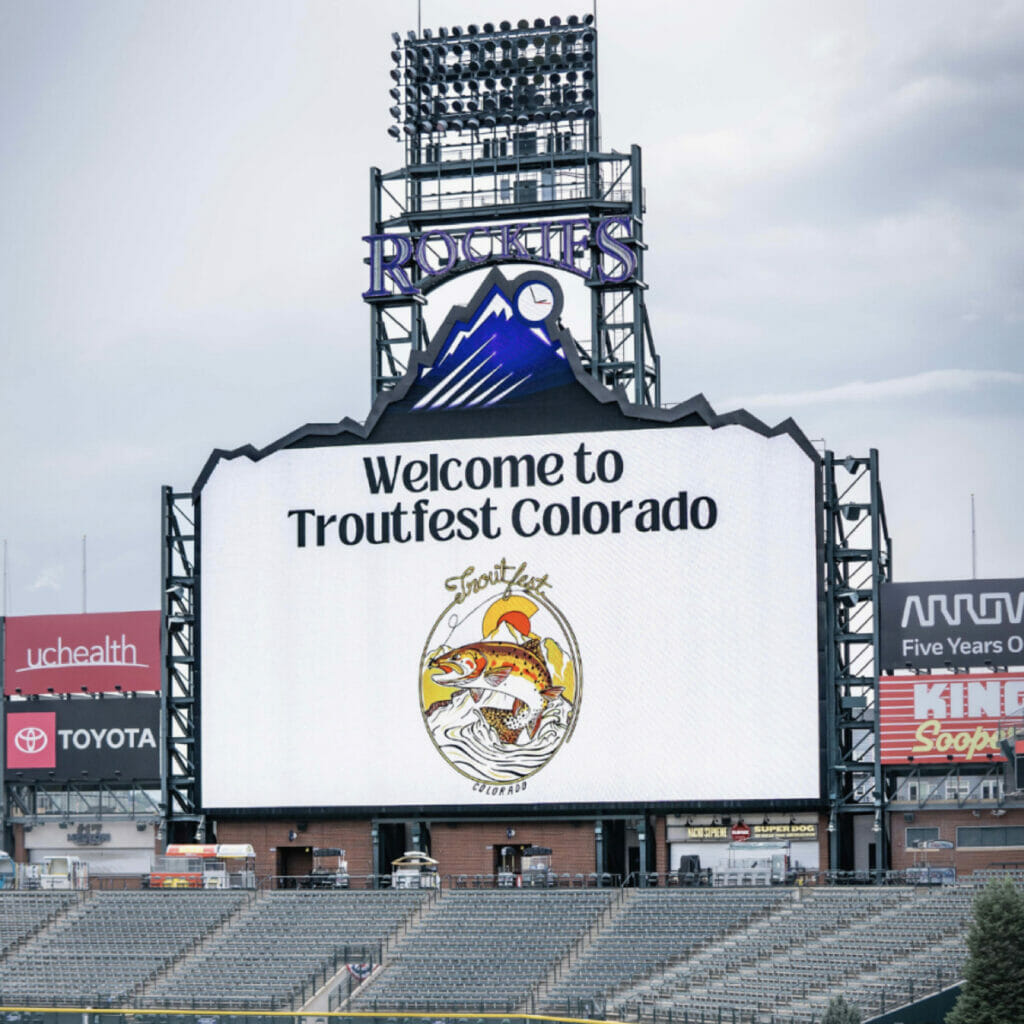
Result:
[[493, 355]]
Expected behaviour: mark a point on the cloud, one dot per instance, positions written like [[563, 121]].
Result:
[[932, 382], [49, 579]]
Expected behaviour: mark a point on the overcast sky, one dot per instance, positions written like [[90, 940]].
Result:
[[835, 218]]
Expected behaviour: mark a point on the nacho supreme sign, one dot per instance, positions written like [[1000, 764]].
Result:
[[509, 587], [93, 653]]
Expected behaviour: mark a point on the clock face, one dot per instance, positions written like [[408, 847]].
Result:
[[535, 301]]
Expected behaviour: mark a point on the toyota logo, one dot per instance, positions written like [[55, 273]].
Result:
[[31, 739]]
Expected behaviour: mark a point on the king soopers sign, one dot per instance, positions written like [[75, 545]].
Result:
[[559, 244]]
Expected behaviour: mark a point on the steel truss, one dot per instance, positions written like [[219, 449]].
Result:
[[63, 803], [512, 173], [931, 785], [858, 559], [179, 794]]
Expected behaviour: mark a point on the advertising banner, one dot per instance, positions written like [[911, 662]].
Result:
[[101, 652], [800, 832], [939, 719], [112, 740], [952, 624]]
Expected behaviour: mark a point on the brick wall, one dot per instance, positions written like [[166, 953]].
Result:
[[660, 845], [468, 848], [947, 822], [268, 837]]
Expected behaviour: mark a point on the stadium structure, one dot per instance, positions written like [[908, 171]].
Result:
[[527, 695]]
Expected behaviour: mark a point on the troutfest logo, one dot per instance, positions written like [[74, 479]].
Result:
[[500, 677]]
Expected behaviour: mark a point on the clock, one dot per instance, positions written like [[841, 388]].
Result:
[[535, 301]]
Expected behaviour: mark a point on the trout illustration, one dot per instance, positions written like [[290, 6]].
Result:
[[514, 670]]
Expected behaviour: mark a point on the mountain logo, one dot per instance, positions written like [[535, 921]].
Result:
[[507, 346], [500, 682]]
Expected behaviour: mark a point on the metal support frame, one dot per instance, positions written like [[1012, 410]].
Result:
[[506, 172], [40, 803], [179, 795], [932, 787], [858, 558]]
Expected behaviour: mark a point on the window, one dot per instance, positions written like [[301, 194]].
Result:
[[526, 144], [991, 789], [990, 835], [916, 791], [921, 835], [526, 190], [957, 789]]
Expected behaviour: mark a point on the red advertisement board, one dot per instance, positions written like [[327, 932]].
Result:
[[94, 653], [941, 718]]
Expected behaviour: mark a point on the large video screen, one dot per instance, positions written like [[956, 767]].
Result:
[[613, 616]]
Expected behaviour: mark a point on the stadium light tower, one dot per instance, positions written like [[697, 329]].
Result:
[[501, 124]]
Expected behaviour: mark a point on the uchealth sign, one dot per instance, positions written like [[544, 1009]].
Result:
[[112, 739], [952, 624], [92, 653], [936, 719]]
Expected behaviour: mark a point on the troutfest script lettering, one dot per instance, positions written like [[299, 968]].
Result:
[[415, 521]]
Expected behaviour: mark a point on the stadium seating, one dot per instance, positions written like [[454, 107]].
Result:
[[878, 947], [655, 928], [283, 946], [485, 950], [25, 913], [764, 955], [108, 945]]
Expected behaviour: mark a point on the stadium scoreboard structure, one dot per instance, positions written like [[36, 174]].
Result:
[[521, 585], [571, 614]]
